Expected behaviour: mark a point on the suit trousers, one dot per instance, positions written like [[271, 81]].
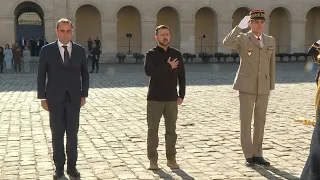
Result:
[[95, 63], [64, 117], [155, 110], [259, 103]]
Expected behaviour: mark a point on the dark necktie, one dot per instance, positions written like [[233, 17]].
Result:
[[66, 56]]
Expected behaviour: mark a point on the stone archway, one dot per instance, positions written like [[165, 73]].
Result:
[[280, 29], [238, 16], [205, 31], [312, 32], [129, 38], [88, 25], [168, 16], [29, 24]]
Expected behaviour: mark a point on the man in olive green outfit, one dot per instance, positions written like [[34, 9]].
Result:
[[164, 66]]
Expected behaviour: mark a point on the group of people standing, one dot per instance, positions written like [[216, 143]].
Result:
[[63, 85], [15, 59]]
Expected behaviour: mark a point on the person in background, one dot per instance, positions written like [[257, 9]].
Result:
[[17, 57], [95, 58], [8, 57], [26, 59]]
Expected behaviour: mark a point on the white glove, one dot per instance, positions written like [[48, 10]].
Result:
[[318, 42], [244, 23]]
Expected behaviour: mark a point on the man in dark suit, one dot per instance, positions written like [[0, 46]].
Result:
[[22, 43], [63, 65]]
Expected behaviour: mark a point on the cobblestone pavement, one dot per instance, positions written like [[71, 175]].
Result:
[[112, 135]]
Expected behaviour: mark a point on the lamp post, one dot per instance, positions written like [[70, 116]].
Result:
[[129, 36], [201, 37]]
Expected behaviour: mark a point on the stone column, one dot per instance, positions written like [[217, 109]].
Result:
[[224, 27], [297, 35], [108, 40], [147, 31], [49, 29], [187, 42], [8, 29]]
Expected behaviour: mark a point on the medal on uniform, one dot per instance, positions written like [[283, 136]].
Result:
[[249, 53]]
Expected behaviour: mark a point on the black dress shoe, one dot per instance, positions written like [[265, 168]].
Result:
[[249, 162], [260, 161], [73, 172], [58, 174]]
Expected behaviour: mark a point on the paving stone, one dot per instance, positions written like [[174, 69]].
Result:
[[113, 127]]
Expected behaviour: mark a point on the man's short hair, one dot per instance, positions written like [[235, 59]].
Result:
[[161, 27], [65, 21]]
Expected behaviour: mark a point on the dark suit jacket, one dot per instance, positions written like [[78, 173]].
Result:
[[54, 79], [24, 42]]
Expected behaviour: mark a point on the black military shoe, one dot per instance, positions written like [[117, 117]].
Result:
[[249, 162], [58, 173]]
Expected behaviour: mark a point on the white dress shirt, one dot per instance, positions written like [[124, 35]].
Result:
[[261, 41], [61, 49]]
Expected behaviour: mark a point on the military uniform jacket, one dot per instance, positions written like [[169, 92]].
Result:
[[256, 72]]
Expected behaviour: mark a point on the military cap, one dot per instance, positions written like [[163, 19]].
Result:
[[257, 14]]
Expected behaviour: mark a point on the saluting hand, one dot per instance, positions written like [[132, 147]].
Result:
[[173, 63], [244, 23]]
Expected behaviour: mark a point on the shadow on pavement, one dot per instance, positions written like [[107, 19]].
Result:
[[162, 174], [182, 174], [270, 172]]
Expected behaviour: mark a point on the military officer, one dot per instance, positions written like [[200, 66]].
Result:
[[311, 168], [254, 80]]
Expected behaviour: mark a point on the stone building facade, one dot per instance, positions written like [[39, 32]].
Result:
[[294, 23]]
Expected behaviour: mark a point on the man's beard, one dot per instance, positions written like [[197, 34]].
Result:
[[164, 43]]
